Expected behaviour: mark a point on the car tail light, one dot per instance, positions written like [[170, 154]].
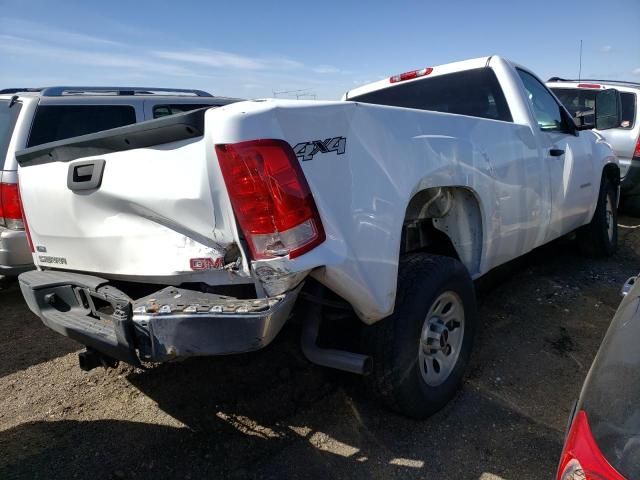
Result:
[[26, 224], [589, 85], [410, 75], [10, 211], [271, 198], [581, 457], [636, 152]]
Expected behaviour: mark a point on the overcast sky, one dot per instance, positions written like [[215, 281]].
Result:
[[251, 49]]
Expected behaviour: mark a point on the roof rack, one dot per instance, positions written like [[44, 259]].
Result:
[[8, 91], [61, 91], [621, 82]]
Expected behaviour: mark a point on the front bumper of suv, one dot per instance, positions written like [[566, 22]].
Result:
[[170, 323]]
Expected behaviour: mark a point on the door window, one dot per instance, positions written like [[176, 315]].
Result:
[[546, 109], [166, 110]]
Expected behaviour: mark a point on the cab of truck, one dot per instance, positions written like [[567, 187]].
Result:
[[34, 116]]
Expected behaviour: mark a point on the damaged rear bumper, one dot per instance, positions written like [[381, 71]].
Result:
[[170, 323]]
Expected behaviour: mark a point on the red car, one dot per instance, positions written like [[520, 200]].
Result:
[[603, 441]]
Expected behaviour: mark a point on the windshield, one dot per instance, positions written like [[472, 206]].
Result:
[[610, 395], [8, 117]]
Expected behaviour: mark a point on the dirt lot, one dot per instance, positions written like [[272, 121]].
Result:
[[272, 415]]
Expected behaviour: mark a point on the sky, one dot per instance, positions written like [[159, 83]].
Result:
[[252, 49]]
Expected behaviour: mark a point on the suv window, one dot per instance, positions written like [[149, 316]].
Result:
[[628, 101], [166, 110], [546, 109], [581, 100], [8, 117], [476, 93], [58, 122]]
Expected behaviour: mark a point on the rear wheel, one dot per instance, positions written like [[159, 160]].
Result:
[[600, 237], [421, 351]]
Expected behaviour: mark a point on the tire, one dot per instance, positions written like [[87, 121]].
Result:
[[399, 379], [600, 237]]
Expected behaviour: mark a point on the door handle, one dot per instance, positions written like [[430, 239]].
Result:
[[85, 175], [556, 152]]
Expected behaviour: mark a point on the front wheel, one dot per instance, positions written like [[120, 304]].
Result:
[[600, 237], [421, 351]]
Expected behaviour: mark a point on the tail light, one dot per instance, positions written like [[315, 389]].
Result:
[[271, 198], [26, 224], [581, 457], [410, 75], [589, 85], [10, 210], [636, 152]]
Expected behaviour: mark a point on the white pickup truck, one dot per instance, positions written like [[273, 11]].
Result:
[[196, 234]]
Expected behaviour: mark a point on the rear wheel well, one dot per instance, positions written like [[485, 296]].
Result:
[[444, 221], [611, 172], [422, 236]]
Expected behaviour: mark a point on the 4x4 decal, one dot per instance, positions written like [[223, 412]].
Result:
[[306, 150]]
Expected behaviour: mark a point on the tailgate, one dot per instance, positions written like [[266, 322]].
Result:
[[140, 201]]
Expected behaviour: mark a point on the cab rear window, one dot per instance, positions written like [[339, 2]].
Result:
[[58, 122], [476, 93]]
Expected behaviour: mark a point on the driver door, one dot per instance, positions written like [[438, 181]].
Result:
[[567, 156]]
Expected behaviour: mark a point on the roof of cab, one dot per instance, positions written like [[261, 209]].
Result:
[[437, 70]]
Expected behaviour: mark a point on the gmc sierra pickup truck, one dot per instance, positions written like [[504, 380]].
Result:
[[197, 234]]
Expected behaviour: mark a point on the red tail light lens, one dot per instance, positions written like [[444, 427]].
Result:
[[10, 211], [271, 198], [410, 75], [581, 457], [636, 152]]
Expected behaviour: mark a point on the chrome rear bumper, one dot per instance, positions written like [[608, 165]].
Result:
[[170, 323]]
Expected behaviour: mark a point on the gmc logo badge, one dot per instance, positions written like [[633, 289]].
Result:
[[206, 263]]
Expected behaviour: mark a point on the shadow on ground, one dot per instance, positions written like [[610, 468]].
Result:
[[473, 437], [24, 340]]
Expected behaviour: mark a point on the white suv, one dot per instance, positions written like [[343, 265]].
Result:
[[30, 117], [578, 96]]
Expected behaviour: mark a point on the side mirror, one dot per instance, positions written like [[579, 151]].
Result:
[[608, 111]]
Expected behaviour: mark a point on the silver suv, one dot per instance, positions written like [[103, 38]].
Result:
[[30, 117], [578, 96]]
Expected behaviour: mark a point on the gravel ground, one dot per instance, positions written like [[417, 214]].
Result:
[[270, 414]]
